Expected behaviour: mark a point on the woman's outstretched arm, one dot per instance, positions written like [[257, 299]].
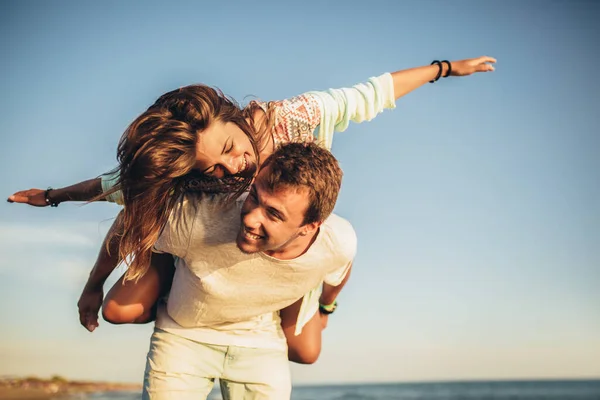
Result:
[[82, 191], [88, 190], [364, 101], [407, 80]]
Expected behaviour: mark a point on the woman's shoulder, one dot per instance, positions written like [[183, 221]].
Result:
[[295, 119]]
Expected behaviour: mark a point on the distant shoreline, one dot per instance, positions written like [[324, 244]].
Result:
[[31, 388], [445, 382]]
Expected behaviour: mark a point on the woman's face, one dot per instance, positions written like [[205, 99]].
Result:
[[224, 149]]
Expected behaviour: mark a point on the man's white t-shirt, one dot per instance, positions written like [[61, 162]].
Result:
[[223, 296]]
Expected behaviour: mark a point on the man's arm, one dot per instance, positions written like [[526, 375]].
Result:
[[331, 292], [91, 298]]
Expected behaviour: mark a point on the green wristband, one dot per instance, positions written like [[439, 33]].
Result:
[[328, 308]]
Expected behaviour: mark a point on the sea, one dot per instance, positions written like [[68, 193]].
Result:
[[517, 390]]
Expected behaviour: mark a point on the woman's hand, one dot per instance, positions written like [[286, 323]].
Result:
[[407, 80], [472, 65], [33, 197]]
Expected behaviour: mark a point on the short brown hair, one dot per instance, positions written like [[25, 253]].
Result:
[[310, 166]]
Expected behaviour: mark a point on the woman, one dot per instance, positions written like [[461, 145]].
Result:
[[195, 138]]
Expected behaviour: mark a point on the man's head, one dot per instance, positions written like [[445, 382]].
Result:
[[294, 192]]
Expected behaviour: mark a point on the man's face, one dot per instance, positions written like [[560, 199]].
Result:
[[272, 221]]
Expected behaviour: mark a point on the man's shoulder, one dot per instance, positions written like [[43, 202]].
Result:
[[340, 236]]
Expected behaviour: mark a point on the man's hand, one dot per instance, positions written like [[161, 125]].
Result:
[[33, 197], [89, 306], [472, 65]]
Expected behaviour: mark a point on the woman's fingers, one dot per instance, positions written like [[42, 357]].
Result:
[[34, 197]]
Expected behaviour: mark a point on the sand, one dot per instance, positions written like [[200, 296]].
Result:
[[23, 394]]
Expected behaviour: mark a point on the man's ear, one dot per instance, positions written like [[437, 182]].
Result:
[[311, 228]]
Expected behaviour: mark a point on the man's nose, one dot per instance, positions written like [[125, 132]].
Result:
[[252, 217]]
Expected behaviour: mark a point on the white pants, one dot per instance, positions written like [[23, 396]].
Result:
[[180, 368]]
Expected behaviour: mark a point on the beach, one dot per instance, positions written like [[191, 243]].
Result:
[[24, 394], [37, 388]]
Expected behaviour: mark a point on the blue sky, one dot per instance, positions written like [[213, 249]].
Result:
[[476, 202]]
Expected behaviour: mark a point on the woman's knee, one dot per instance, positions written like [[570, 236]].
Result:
[[116, 313], [307, 354]]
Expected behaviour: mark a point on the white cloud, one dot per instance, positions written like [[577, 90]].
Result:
[[61, 255], [77, 235]]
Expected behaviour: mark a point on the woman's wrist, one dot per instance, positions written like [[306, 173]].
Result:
[[54, 197], [446, 68], [442, 69]]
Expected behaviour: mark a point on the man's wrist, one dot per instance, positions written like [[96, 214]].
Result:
[[94, 284], [327, 298], [327, 308]]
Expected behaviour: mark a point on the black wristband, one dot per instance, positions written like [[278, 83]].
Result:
[[449, 68], [439, 64], [327, 309], [47, 198]]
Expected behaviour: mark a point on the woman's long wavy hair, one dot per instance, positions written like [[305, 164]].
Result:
[[157, 155]]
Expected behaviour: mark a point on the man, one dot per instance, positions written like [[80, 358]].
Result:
[[221, 319]]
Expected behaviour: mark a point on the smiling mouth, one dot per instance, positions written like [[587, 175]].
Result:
[[248, 169], [244, 166], [250, 235]]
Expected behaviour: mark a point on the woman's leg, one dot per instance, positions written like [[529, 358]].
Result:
[[306, 347], [135, 302]]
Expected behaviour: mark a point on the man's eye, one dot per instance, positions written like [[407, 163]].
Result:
[[273, 215]]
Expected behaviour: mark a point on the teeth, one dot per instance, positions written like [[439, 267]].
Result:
[[243, 168], [252, 236]]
